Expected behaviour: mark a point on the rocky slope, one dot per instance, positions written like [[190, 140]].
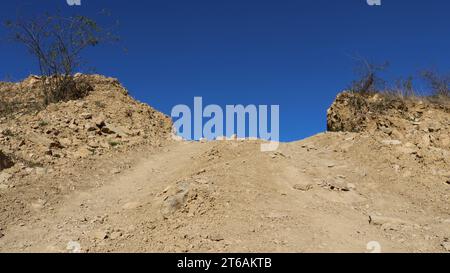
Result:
[[417, 129], [382, 182], [106, 119]]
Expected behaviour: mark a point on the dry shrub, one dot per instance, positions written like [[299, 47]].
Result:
[[64, 88]]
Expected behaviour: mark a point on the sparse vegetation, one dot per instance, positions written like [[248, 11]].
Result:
[[439, 84], [403, 88], [369, 82], [43, 123], [57, 43], [7, 108], [100, 104], [114, 143], [10, 107]]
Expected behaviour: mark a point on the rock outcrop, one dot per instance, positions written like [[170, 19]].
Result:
[[384, 176], [412, 128], [418, 121], [108, 118]]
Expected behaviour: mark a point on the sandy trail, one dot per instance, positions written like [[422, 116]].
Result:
[[230, 197]]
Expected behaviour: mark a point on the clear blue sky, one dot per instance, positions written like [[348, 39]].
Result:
[[289, 52]]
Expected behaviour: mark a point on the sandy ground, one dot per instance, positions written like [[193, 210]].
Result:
[[334, 192]]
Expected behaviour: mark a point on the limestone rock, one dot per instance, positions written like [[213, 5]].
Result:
[[304, 186]]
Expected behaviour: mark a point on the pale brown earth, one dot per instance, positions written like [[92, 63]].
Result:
[[387, 181]]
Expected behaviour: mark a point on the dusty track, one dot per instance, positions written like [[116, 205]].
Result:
[[310, 196]]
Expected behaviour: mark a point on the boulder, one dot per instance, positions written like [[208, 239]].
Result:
[[174, 198]]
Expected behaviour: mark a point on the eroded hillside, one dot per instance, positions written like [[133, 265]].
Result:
[[382, 176]]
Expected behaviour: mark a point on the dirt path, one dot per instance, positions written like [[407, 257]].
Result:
[[230, 197], [89, 213]]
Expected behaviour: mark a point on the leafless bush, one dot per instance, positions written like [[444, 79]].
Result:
[[368, 76], [57, 42], [64, 88], [439, 84], [403, 88], [369, 82]]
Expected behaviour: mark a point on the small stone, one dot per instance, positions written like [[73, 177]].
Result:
[[387, 223], [446, 246], [216, 237], [41, 171], [434, 127], [86, 115], [74, 127], [93, 144], [81, 104], [90, 127], [391, 142], [175, 200], [303, 187], [386, 130], [55, 145], [116, 235], [82, 153], [100, 121], [101, 235], [39, 204], [337, 185], [110, 129], [115, 171]]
